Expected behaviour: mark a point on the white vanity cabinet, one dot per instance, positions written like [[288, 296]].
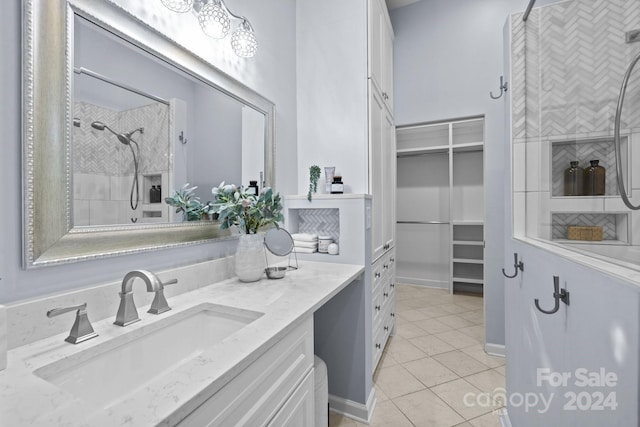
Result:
[[276, 389]]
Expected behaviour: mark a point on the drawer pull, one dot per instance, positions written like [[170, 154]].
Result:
[[393, 285], [378, 345], [386, 328], [393, 260], [385, 266], [393, 315], [377, 275], [377, 308], [385, 294]]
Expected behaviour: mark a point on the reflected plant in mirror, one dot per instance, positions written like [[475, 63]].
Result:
[[248, 212], [190, 205]]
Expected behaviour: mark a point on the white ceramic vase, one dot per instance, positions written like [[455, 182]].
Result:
[[250, 258]]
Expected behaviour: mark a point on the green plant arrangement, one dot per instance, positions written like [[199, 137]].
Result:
[[184, 201], [248, 212], [314, 176]]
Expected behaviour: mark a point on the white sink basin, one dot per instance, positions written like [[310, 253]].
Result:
[[109, 372]]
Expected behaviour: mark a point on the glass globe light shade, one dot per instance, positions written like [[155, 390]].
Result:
[[244, 42], [214, 20], [180, 6]]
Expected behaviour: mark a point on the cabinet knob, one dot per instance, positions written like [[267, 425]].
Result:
[[377, 275], [377, 308], [378, 345], [393, 315], [385, 294], [393, 285], [393, 260], [386, 328], [385, 266]]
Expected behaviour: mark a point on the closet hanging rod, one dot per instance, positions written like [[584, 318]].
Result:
[[423, 222]]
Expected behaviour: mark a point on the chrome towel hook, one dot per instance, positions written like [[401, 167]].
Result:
[[516, 265], [504, 86], [558, 295]]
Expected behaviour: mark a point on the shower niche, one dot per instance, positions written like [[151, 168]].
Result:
[[584, 151]]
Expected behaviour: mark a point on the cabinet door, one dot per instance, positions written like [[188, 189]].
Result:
[[389, 180], [381, 50], [375, 42], [376, 170], [387, 61], [299, 410]]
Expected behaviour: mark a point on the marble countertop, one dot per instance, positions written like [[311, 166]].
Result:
[[28, 400]]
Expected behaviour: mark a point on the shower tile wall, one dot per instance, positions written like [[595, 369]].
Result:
[[103, 167], [567, 64]]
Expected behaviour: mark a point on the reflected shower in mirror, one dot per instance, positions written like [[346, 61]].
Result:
[[144, 128]]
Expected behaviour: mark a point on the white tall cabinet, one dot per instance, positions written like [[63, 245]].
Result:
[[345, 119], [382, 174]]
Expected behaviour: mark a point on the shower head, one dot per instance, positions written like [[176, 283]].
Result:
[[124, 139]]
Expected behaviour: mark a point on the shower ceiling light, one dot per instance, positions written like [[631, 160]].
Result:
[[215, 20]]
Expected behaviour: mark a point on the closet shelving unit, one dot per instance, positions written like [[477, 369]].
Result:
[[440, 227]]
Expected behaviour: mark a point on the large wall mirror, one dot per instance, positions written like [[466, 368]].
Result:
[[116, 118]]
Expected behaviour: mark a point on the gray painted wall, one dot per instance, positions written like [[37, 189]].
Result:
[[270, 73]]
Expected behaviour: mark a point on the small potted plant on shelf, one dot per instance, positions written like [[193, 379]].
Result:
[[250, 214], [314, 176]]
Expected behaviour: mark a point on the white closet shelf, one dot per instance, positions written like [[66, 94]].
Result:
[[476, 280], [467, 222], [469, 146], [468, 261], [437, 149], [468, 242]]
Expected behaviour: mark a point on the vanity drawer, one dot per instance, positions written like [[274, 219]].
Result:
[[255, 395]]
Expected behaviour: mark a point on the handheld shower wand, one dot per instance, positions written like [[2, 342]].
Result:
[[127, 140]]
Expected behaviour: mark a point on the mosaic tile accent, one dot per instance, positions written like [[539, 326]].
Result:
[[583, 151], [560, 222], [320, 221], [575, 57], [99, 152]]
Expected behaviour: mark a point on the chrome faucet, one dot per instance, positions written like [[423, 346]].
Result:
[[127, 312], [81, 329]]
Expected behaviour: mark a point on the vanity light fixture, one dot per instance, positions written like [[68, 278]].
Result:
[[215, 20]]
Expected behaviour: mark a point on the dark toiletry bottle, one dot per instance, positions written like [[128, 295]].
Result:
[[594, 179], [573, 180], [154, 194], [158, 194], [337, 187], [253, 188]]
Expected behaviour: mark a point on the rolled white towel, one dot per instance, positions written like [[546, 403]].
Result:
[[300, 244], [305, 237], [305, 250]]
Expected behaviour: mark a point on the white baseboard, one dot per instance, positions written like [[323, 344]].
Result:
[[504, 419], [495, 349], [354, 410]]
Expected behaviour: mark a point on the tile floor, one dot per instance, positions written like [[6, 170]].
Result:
[[436, 359]]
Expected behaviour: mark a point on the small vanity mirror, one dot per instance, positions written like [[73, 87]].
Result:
[[279, 242], [116, 118]]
